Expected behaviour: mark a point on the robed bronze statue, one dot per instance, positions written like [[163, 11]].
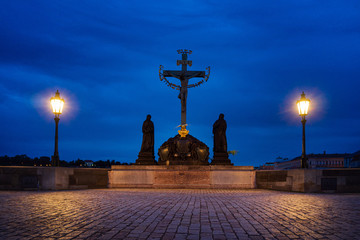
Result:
[[221, 156], [219, 131], [146, 154], [148, 135]]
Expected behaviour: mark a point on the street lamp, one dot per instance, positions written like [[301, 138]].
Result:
[[303, 107], [57, 104]]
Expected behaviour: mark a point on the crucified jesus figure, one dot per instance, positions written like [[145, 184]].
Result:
[[183, 96], [184, 75]]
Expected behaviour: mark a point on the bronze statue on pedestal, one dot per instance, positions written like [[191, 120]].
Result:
[[221, 156], [146, 154], [183, 149]]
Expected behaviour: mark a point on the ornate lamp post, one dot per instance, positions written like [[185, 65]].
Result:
[[303, 107], [57, 104]]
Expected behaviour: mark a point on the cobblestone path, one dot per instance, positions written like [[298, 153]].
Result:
[[178, 214]]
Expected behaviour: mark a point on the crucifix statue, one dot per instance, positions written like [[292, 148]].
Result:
[[184, 76]]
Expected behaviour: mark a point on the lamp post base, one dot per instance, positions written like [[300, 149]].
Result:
[[55, 161], [304, 163]]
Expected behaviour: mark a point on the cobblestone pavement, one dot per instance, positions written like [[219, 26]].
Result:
[[178, 214]]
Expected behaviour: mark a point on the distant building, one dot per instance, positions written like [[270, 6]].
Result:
[[266, 166], [88, 163], [353, 160], [288, 164], [318, 161], [43, 161]]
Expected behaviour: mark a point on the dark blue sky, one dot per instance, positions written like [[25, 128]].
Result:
[[104, 58]]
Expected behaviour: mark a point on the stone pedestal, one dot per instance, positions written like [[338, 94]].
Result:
[[146, 158], [221, 159], [182, 176]]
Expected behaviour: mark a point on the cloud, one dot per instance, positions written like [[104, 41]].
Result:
[[104, 58]]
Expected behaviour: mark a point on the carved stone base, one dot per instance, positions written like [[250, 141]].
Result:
[[146, 158], [183, 151], [221, 159]]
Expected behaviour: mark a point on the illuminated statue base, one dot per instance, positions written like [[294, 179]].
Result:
[[183, 151]]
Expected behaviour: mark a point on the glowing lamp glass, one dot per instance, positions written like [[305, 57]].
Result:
[[303, 105], [57, 103]]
